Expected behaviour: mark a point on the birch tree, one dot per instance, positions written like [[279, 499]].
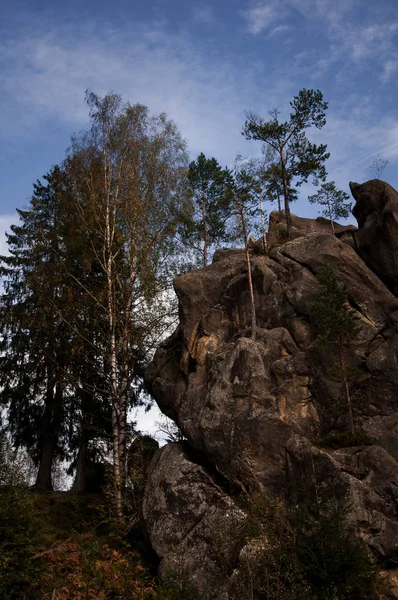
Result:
[[128, 171]]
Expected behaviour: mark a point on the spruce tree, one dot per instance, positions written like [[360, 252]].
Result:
[[34, 346]]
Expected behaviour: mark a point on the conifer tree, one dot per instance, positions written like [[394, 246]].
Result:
[[34, 346], [204, 221], [336, 202], [337, 324], [271, 180], [296, 157]]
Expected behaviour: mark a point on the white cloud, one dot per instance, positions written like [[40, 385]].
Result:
[[279, 29], [205, 93], [262, 16], [390, 69]]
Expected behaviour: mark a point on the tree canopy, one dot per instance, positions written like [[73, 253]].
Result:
[[296, 157], [205, 218]]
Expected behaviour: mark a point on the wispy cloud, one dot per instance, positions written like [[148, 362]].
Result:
[[354, 35], [46, 70], [206, 95], [263, 16], [279, 29], [204, 14]]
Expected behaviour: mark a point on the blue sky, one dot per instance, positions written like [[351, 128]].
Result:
[[204, 65]]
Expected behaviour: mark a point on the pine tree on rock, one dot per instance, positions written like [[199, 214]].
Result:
[[336, 202], [245, 193], [296, 157], [269, 173]]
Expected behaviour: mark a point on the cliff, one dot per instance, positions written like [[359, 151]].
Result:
[[266, 418]]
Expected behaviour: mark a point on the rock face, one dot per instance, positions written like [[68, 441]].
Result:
[[192, 522], [301, 226], [376, 211], [252, 409]]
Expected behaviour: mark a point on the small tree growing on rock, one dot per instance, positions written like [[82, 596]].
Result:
[[378, 165], [337, 324], [245, 191], [336, 202], [296, 157]]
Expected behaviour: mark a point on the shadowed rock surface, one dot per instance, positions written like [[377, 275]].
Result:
[[253, 409], [376, 211], [191, 522]]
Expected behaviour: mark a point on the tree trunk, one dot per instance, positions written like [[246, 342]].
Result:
[[263, 225], [123, 423], [43, 478], [52, 419], [331, 218], [87, 433], [205, 233], [346, 388], [286, 197], [249, 275], [79, 485]]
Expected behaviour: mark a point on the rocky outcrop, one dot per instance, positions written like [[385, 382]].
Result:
[[277, 233], [253, 409], [193, 524], [376, 211]]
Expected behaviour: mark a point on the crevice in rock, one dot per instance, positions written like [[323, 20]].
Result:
[[301, 264], [200, 459]]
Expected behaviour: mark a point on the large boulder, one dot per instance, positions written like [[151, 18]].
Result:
[[253, 408], [238, 400], [376, 211], [192, 523], [277, 233], [361, 480]]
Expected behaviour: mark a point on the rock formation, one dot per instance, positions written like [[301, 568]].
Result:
[[253, 410], [376, 211]]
